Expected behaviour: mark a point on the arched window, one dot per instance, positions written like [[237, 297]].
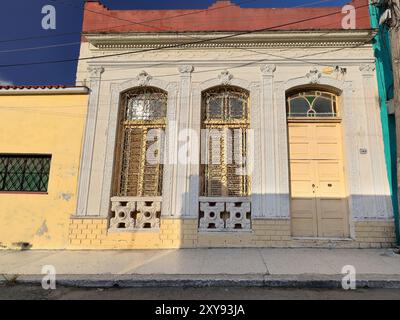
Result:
[[141, 141], [225, 121], [312, 104]]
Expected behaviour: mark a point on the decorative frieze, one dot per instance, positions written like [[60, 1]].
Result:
[[131, 213], [225, 214]]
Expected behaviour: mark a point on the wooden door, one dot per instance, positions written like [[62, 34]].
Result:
[[318, 198]]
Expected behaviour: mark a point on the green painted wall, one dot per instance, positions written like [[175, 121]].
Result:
[[385, 85]]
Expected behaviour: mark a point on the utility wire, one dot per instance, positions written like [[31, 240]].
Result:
[[120, 26], [138, 23], [174, 45]]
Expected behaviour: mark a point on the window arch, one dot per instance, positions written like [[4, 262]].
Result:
[[141, 127], [225, 121], [312, 104]]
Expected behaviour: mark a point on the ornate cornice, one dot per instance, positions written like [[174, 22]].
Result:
[[339, 38]]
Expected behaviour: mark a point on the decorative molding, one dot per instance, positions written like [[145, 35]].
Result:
[[367, 69], [95, 71], [225, 77], [186, 69], [214, 215], [268, 69], [314, 76], [85, 172], [143, 79], [178, 191], [349, 38], [213, 82], [116, 90]]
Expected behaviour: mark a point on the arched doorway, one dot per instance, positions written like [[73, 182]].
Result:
[[317, 184]]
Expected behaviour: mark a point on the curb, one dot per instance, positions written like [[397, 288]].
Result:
[[201, 281]]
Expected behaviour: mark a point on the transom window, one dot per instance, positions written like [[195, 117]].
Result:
[[312, 104], [142, 126], [225, 120], [226, 103], [24, 173]]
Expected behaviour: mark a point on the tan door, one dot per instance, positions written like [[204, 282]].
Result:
[[318, 199]]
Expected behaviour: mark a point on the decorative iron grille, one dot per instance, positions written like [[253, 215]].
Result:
[[142, 125], [226, 121], [26, 173]]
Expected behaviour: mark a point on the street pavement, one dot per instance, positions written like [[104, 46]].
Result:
[[375, 268]]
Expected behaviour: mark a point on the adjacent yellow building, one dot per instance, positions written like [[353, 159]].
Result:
[[41, 131]]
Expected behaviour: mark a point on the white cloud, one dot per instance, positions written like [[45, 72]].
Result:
[[4, 82]]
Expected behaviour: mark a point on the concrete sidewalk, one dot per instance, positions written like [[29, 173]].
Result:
[[379, 268]]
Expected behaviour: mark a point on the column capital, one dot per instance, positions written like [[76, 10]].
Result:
[[186, 70], [95, 71], [268, 69]]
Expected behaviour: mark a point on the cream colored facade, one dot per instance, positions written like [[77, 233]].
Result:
[[268, 66]]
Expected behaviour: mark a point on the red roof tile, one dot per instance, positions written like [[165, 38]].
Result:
[[221, 16], [33, 87]]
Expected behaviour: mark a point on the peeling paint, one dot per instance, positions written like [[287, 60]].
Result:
[[43, 229], [66, 196]]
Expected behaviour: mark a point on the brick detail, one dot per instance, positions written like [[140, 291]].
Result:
[[94, 234], [183, 233]]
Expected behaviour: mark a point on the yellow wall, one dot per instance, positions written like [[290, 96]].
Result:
[[42, 124]]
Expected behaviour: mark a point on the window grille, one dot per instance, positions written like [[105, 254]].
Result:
[[24, 173], [225, 119], [142, 125]]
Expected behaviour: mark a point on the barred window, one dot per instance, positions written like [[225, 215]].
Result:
[[24, 173], [142, 126], [312, 104], [225, 121]]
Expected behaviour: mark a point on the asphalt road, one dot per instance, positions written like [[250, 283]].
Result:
[[24, 292]]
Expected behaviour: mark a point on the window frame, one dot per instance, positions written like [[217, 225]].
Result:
[[27, 156], [225, 123], [318, 93], [145, 124]]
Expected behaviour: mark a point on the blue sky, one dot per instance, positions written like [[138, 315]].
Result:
[[21, 19]]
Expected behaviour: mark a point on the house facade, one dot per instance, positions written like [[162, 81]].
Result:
[[266, 138], [229, 127]]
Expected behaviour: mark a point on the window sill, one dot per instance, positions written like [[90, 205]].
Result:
[[24, 193]]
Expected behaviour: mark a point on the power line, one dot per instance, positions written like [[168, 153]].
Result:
[[120, 26], [139, 23], [176, 45]]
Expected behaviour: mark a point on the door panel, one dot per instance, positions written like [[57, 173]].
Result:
[[301, 146], [318, 205], [303, 199], [328, 139]]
